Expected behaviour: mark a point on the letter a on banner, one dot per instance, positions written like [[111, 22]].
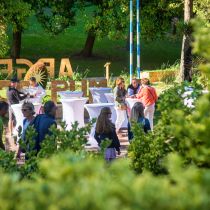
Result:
[[65, 68]]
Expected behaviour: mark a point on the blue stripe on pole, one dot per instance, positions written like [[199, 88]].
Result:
[[138, 36], [131, 40]]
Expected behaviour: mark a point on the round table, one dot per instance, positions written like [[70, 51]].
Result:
[[39, 94], [73, 110], [109, 97], [131, 102], [16, 108], [70, 94], [98, 94], [94, 111]]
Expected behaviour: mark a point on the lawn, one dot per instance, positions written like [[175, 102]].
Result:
[[36, 43]]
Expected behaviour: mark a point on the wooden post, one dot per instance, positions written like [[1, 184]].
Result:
[[107, 70], [92, 83], [84, 87], [72, 85]]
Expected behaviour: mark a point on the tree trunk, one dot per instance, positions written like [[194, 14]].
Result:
[[88, 49], [16, 44], [186, 53]]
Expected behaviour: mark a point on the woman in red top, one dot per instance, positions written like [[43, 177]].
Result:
[[148, 97]]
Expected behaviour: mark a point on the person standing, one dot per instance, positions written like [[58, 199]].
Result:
[[105, 129], [134, 87], [43, 122], [148, 97], [14, 96], [137, 115], [120, 104], [4, 106], [28, 113]]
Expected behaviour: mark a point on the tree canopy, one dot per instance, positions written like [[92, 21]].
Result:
[[55, 16]]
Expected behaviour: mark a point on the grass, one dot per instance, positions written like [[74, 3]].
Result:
[[36, 43]]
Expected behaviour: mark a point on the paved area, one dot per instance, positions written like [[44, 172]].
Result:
[[123, 137]]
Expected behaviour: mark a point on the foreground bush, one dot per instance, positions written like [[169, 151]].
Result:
[[73, 181], [180, 129]]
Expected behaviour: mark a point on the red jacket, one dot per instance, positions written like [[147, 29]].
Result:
[[147, 95]]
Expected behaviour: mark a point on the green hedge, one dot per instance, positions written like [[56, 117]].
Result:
[[71, 181]]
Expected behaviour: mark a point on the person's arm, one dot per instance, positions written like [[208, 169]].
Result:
[[147, 126], [21, 95], [140, 93], [2, 144], [155, 94], [1, 134], [97, 138], [116, 141], [116, 95]]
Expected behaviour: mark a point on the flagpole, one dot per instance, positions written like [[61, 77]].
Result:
[[131, 40], [138, 49]]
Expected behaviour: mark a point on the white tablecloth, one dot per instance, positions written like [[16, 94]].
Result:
[[98, 94], [109, 97], [70, 94], [94, 111], [39, 94], [73, 110], [131, 101], [16, 108]]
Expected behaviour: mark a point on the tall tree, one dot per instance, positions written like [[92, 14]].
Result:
[[3, 36], [186, 53], [16, 13], [111, 18]]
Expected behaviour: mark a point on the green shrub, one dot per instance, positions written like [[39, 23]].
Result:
[[74, 181], [59, 141]]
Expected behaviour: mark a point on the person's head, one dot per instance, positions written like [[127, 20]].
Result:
[[4, 106], [14, 82], [145, 81], [33, 82], [134, 83], [104, 124], [28, 110], [137, 111], [50, 108], [120, 82]]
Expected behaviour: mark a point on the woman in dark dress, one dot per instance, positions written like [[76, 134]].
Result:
[[105, 129]]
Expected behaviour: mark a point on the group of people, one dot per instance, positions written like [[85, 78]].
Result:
[[142, 112], [41, 122], [142, 91], [14, 96]]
